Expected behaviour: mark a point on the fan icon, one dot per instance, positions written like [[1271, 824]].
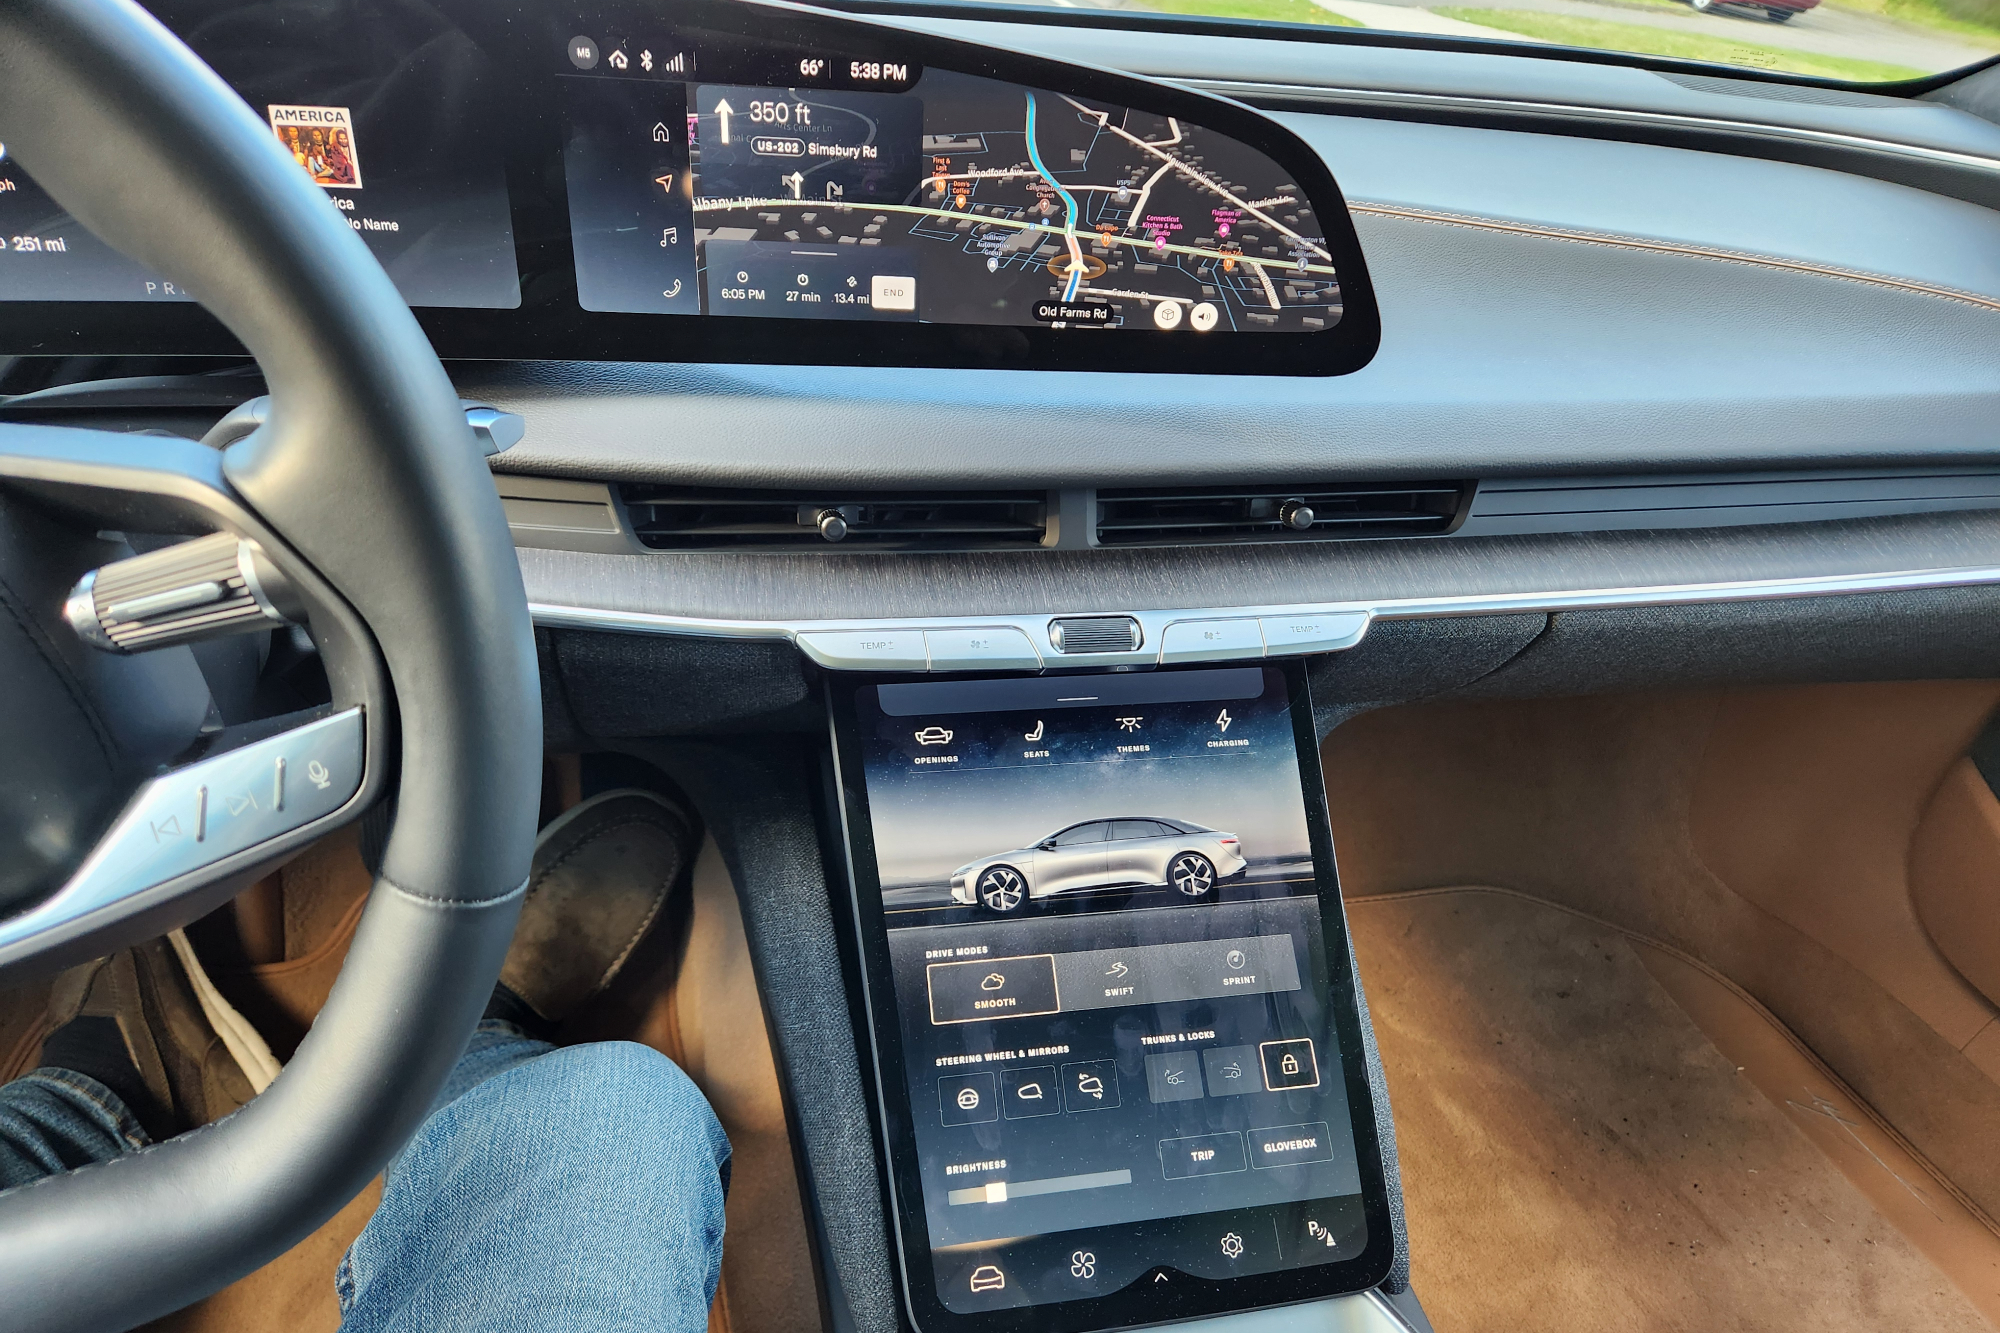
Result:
[[1083, 1264]]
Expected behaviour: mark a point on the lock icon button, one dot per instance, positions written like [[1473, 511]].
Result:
[[1289, 1065]]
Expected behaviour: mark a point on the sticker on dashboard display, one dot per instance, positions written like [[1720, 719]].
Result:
[[321, 140], [1073, 312]]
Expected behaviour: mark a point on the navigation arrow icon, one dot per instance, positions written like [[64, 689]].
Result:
[[723, 112]]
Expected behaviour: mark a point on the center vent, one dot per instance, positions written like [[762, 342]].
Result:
[[678, 518], [1201, 515]]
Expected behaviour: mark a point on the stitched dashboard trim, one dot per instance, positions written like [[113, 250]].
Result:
[[1618, 241]]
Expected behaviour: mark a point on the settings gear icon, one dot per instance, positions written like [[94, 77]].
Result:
[[1232, 1246]]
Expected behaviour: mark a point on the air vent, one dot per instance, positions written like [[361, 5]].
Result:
[[1134, 517], [689, 519]]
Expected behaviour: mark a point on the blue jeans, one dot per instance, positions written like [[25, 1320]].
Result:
[[550, 1189]]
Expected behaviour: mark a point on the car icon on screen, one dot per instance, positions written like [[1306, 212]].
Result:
[[988, 1278], [934, 736], [1136, 851]]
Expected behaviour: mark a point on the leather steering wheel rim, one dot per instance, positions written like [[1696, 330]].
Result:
[[367, 471]]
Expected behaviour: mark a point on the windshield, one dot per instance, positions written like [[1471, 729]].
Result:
[[1862, 41]]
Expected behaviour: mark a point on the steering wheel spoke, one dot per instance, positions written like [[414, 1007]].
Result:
[[195, 834], [364, 486]]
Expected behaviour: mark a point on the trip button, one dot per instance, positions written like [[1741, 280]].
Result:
[[1314, 634], [1211, 641], [1202, 1155], [866, 650], [1001, 649]]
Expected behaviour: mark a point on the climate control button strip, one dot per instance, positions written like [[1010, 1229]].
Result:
[[1161, 638]]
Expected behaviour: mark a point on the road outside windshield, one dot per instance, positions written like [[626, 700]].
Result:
[[1865, 41]]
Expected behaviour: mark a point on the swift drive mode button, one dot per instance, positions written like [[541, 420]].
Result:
[[992, 988], [866, 650]]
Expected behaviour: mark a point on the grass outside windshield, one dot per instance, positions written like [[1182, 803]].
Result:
[[1865, 41]]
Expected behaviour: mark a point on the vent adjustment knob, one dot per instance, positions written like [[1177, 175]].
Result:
[[832, 524], [1296, 515]]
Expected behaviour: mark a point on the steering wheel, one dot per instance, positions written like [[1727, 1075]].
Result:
[[365, 490]]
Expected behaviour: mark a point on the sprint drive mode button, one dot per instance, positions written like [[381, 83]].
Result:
[[1291, 1145], [992, 988]]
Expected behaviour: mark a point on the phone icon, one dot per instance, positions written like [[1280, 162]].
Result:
[[673, 291], [1036, 734]]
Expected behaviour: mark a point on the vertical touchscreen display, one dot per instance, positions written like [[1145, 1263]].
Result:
[[1123, 1030]]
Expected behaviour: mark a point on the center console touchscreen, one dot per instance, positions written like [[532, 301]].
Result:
[[1118, 1052]]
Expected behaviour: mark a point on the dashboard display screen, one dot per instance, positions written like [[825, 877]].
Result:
[[383, 103], [727, 178], [1116, 1030]]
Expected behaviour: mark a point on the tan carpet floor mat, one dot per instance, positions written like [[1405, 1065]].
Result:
[[1578, 1153]]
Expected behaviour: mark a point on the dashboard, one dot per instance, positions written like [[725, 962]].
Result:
[[532, 181], [1716, 360]]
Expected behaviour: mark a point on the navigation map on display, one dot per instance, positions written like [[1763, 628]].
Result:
[[956, 199]]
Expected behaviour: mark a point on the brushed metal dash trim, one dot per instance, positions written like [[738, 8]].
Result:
[[1410, 608], [1687, 248], [1302, 92]]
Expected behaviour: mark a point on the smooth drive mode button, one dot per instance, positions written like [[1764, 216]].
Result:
[[992, 988]]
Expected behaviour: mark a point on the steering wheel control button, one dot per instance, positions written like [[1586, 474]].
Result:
[[999, 649], [1211, 641], [1095, 634], [1202, 1155], [867, 650], [1288, 635], [1291, 1145], [1231, 1070], [968, 1099], [196, 815], [1174, 1077], [1289, 1064], [1029, 1092], [990, 988], [1090, 1086]]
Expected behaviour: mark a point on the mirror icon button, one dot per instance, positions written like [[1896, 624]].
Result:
[[1030, 1091]]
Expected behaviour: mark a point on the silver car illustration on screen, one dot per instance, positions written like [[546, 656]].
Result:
[[1101, 854]]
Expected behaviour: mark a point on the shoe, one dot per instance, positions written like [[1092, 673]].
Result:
[[603, 873], [186, 1075]]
